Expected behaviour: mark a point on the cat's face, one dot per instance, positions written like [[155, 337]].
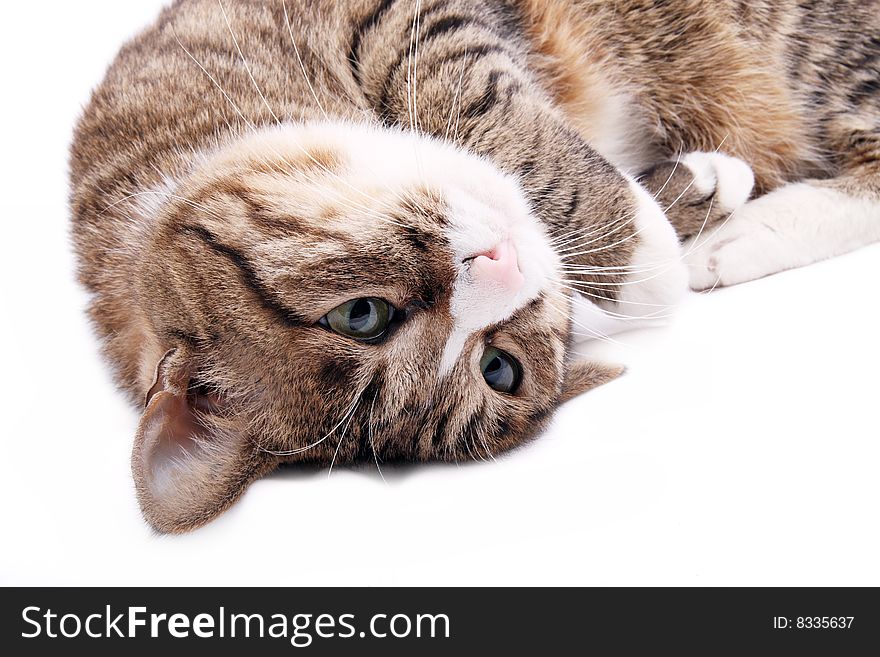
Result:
[[312, 302]]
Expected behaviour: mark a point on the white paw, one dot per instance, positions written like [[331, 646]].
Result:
[[760, 238], [792, 226], [728, 177], [732, 254]]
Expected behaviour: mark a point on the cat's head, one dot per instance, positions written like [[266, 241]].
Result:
[[322, 294]]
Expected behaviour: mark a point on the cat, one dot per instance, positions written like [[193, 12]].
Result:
[[327, 232]]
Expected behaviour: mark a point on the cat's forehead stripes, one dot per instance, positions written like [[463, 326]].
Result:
[[270, 152], [247, 274]]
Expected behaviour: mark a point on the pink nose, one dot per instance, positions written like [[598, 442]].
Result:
[[500, 266]]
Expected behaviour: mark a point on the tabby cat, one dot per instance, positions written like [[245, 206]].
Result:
[[323, 231]]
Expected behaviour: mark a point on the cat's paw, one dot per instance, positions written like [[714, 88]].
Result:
[[700, 189], [731, 255], [754, 242], [792, 226], [727, 179]]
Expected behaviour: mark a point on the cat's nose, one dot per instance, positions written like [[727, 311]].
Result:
[[499, 266]]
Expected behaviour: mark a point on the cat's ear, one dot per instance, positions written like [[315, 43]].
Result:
[[581, 376], [189, 461]]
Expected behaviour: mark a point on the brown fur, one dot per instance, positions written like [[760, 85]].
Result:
[[207, 300], [713, 75]]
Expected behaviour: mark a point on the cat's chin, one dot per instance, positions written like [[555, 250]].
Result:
[[659, 278], [655, 282]]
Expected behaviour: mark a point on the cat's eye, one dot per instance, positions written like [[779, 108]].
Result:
[[361, 319], [501, 371]]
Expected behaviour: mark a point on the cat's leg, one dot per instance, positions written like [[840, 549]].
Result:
[[698, 189], [795, 225], [695, 192]]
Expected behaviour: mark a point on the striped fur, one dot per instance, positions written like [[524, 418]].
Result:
[[247, 165]]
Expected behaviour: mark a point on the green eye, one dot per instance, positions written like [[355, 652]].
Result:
[[361, 319], [500, 370]]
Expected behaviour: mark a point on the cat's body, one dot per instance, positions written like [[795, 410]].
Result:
[[248, 167]]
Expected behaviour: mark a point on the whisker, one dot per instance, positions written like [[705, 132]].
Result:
[[362, 208], [342, 437], [301, 64], [370, 436], [672, 173], [245, 62], [456, 100], [486, 449], [300, 450], [415, 66], [593, 332], [641, 304]]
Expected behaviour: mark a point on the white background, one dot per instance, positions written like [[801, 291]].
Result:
[[740, 448]]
